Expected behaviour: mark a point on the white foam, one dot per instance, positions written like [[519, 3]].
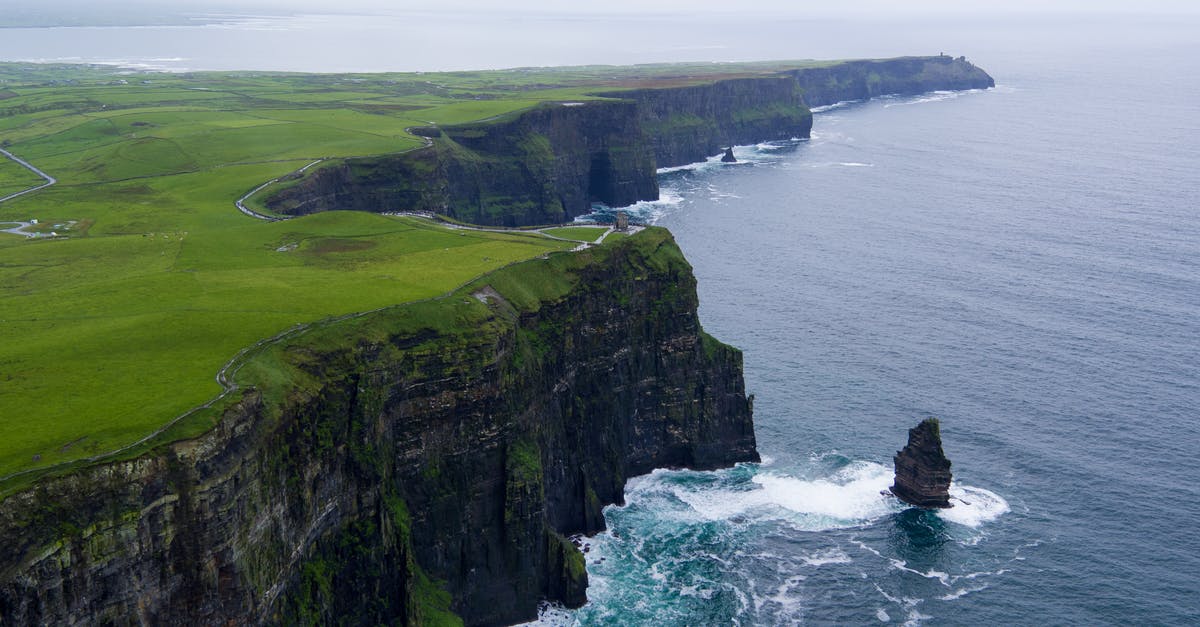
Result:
[[836, 105], [552, 615], [973, 506], [943, 578], [852, 494], [843, 164], [832, 556], [936, 96], [851, 497], [962, 592], [644, 211]]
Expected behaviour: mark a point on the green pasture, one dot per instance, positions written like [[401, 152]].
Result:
[[120, 325], [15, 178], [577, 233], [106, 338]]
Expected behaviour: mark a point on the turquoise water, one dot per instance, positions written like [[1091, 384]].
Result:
[[1023, 263]]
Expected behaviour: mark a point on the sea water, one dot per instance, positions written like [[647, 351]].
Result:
[[1022, 263]]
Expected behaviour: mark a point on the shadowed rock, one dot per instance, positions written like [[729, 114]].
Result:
[[922, 470], [729, 158]]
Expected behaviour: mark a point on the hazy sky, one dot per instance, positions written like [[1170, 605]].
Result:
[[780, 7], [789, 8]]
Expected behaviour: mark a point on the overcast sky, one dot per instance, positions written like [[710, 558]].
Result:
[[780, 7], [788, 8]]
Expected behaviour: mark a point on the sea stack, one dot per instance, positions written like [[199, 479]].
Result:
[[922, 470], [729, 158]]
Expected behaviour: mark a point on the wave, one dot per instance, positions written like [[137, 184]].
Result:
[[643, 212], [935, 96], [842, 164], [973, 506], [848, 498], [831, 107]]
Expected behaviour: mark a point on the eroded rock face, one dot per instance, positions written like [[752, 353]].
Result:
[[729, 158], [922, 470], [438, 447]]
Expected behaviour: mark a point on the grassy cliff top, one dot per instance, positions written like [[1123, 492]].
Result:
[[154, 280]]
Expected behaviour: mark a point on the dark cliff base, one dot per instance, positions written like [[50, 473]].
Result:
[[406, 466], [550, 163]]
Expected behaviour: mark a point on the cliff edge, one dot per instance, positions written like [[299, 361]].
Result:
[[420, 464], [548, 164]]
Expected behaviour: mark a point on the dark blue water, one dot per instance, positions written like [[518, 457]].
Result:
[[1023, 263]]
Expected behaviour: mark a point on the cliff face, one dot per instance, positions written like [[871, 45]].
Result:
[[689, 124], [416, 461], [542, 166], [548, 164], [905, 76]]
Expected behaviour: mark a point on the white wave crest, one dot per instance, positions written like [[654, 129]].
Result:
[[850, 497], [973, 506], [936, 96], [552, 615], [830, 107]]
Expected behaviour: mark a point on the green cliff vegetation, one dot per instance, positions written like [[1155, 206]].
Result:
[[154, 280], [119, 324]]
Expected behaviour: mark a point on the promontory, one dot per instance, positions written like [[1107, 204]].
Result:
[[287, 348]]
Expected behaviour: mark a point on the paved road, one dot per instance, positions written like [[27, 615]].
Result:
[[50, 180]]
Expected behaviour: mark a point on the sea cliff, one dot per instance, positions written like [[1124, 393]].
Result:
[[904, 76], [549, 164], [410, 465]]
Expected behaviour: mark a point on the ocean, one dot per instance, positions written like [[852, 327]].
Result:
[[1022, 263]]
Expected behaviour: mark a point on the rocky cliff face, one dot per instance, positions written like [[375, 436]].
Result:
[[904, 76], [689, 124], [922, 470], [548, 164], [396, 467], [542, 166]]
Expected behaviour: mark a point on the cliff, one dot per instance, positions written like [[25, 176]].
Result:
[[549, 164], [904, 76], [690, 124], [541, 166], [398, 467]]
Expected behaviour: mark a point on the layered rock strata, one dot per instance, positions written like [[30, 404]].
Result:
[[922, 470], [402, 467], [550, 163]]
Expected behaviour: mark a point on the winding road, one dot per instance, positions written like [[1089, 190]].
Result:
[[225, 376], [19, 230]]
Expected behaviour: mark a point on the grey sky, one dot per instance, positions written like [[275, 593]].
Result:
[[783, 8], [779, 7]]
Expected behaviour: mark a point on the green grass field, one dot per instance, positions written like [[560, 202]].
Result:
[[15, 178], [577, 233], [119, 325]]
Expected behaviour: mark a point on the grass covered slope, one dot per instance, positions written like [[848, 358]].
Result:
[[106, 338], [118, 325]]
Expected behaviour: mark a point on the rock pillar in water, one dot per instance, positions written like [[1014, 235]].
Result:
[[729, 158], [922, 470]]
